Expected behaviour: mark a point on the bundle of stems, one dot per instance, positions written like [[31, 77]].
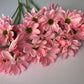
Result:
[[23, 7]]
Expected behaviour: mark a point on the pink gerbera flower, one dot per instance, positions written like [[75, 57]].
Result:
[[68, 45], [29, 30], [80, 32], [31, 53], [48, 54], [14, 59], [5, 32], [49, 21], [58, 9], [33, 17], [13, 62], [30, 18], [70, 49], [72, 18]]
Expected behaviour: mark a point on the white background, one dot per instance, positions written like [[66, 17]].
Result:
[[70, 71]]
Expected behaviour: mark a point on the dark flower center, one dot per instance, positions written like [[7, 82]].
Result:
[[12, 54], [44, 32], [34, 19], [50, 21], [67, 20], [36, 48], [63, 27], [74, 31], [5, 32], [64, 38], [16, 59], [4, 60], [28, 30], [15, 35]]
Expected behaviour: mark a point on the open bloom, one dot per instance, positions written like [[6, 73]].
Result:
[[33, 17], [80, 32], [70, 49], [29, 30], [6, 34], [68, 46], [72, 18], [48, 53], [12, 59], [42, 37], [49, 21], [12, 62]]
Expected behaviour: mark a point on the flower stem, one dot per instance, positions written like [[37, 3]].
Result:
[[14, 13], [34, 5], [20, 10]]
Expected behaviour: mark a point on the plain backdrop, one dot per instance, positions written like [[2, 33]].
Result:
[[70, 71]]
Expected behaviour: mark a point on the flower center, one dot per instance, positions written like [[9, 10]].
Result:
[[5, 32], [50, 21], [15, 35], [36, 48], [28, 30], [4, 60], [67, 20], [12, 54], [74, 31], [34, 19], [64, 38], [44, 32]]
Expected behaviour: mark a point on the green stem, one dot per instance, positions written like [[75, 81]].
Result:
[[34, 5], [26, 2], [26, 7], [14, 13], [16, 18], [19, 17], [22, 11]]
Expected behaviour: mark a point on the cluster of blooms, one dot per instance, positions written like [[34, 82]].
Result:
[[42, 37]]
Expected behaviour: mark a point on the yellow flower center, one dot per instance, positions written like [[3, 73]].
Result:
[[5, 32], [67, 20], [28, 30], [34, 19]]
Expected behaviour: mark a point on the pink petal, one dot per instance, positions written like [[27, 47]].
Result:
[[71, 52], [64, 55], [6, 54]]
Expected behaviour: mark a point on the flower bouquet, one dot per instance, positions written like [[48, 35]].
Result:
[[44, 35]]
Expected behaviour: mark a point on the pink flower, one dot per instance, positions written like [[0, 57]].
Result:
[[49, 21], [68, 46], [29, 30], [13, 62], [3, 63], [6, 19], [5, 31], [72, 18], [32, 51], [48, 53], [16, 31], [57, 8], [40, 38], [80, 32], [71, 49], [33, 17], [47, 35], [14, 43]]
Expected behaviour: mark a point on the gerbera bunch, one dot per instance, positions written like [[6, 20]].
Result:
[[42, 37]]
